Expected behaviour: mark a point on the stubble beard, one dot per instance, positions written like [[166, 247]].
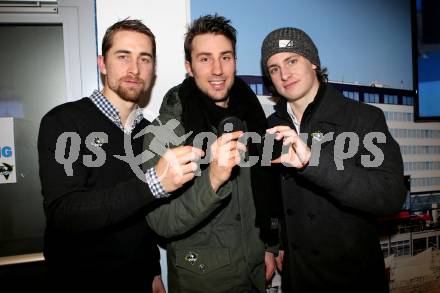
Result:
[[130, 94]]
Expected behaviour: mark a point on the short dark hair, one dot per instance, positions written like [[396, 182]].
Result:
[[209, 24], [126, 25]]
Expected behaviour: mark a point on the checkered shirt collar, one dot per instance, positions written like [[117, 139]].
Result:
[[111, 113]]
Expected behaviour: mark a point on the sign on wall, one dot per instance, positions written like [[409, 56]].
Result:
[[7, 151]]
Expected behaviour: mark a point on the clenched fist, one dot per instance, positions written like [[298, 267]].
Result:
[[225, 155]]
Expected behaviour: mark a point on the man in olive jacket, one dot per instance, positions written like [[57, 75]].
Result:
[[336, 182], [215, 244]]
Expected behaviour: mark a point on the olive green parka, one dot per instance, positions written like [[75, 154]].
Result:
[[214, 245]]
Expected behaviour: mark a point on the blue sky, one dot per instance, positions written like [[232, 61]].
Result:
[[358, 41]]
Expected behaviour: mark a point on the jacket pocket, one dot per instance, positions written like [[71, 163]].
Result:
[[202, 260]]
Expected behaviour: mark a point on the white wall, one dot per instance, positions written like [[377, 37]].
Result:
[[167, 20]]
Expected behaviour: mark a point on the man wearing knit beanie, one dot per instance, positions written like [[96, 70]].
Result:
[[330, 197]]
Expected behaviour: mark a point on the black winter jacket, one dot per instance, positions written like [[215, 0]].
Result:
[[330, 232]]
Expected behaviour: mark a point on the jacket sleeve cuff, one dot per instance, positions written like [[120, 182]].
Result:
[[224, 190]]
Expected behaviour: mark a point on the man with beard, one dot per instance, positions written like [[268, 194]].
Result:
[[215, 244], [96, 235]]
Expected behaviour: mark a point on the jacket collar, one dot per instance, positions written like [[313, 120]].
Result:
[[328, 106]]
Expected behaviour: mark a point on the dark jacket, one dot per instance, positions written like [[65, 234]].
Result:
[[96, 234], [330, 233]]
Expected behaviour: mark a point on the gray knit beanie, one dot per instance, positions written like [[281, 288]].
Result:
[[289, 39]]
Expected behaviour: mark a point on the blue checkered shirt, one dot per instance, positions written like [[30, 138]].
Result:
[[111, 113]]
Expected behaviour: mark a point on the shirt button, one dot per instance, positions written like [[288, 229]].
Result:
[[311, 216], [289, 212], [202, 267], [294, 246], [238, 217]]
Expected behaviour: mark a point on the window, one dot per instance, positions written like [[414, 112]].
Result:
[[398, 116], [260, 89], [384, 247], [406, 100], [351, 95], [399, 248], [419, 245], [253, 88], [371, 98], [390, 99], [61, 67]]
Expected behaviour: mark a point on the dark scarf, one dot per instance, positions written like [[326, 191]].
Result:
[[199, 114]]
